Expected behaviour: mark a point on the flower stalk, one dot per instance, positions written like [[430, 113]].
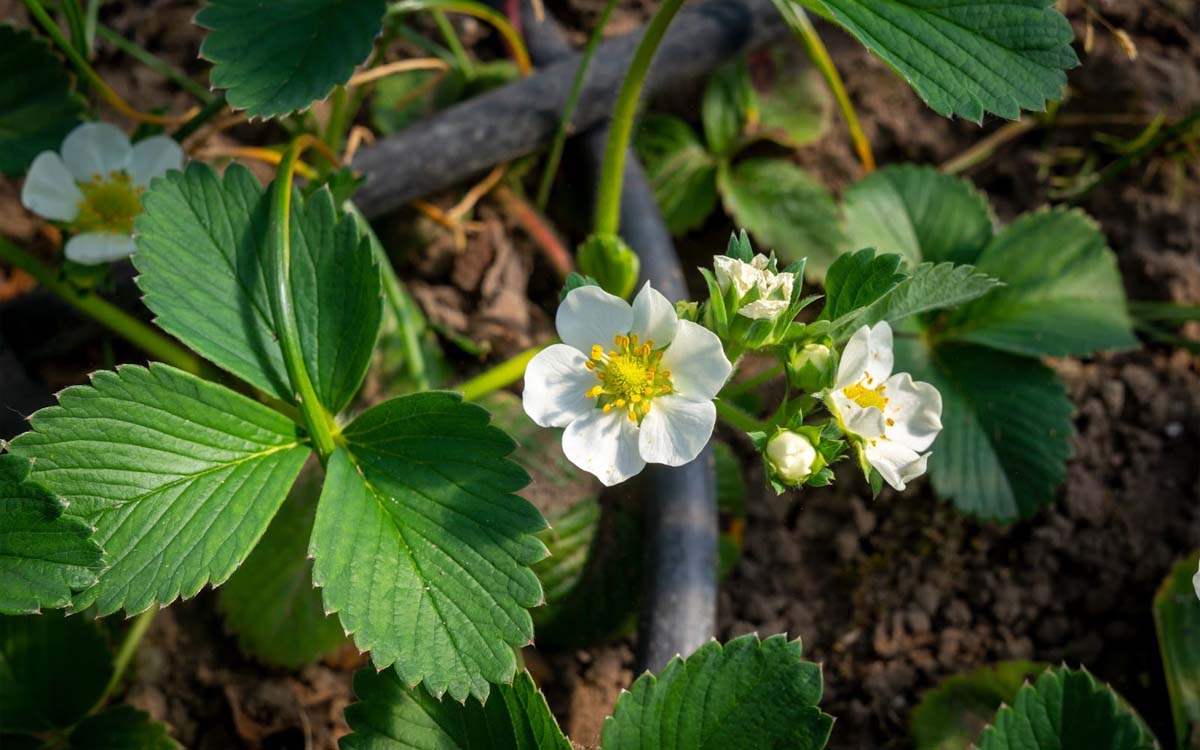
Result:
[[501, 376]]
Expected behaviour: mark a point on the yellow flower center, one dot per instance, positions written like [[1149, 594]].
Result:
[[866, 397], [629, 376], [110, 204]]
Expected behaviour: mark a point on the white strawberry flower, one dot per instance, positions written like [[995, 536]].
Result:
[[96, 187], [631, 384], [774, 288], [792, 455], [895, 417]]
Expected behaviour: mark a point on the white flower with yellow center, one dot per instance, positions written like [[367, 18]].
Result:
[[96, 187], [774, 289], [631, 384], [895, 417]]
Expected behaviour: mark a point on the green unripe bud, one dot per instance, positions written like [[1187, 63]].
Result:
[[811, 368], [608, 260]]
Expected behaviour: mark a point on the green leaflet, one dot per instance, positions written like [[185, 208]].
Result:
[[393, 716], [682, 173], [121, 728], [951, 716], [179, 476], [747, 694], [278, 57], [795, 107], [1177, 621], [44, 555], [421, 547], [856, 280], [728, 101], [38, 107]]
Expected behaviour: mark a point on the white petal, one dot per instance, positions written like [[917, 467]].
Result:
[[723, 268], [589, 315], [697, 362], [555, 383], [95, 148], [676, 430], [605, 445], [897, 464], [94, 248], [763, 309], [759, 261], [152, 158], [654, 317], [915, 409], [867, 423], [1196, 582], [50, 190], [867, 357]]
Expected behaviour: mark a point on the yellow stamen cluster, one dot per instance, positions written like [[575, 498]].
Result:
[[109, 204], [866, 397], [630, 376]]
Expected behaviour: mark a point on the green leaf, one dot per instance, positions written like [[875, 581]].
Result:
[[858, 279], [1006, 430], [682, 173], [422, 549], [393, 716], [52, 669], [278, 57], [121, 728], [728, 101], [967, 58], [202, 259], [38, 107], [951, 716], [1062, 296], [1177, 621], [795, 107], [270, 602], [918, 212], [179, 477], [747, 694], [44, 555], [1066, 710], [785, 209]]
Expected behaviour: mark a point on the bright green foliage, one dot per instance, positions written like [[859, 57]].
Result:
[[204, 271], [1177, 620], [951, 716], [278, 57], [421, 548], [728, 102], [270, 602], [52, 669], [1062, 294], [966, 58], [393, 716], [179, 476], [858, 279], [44, 555], [746, 694], [121, 728], [1066, 710], [38, 106], [682, 172]]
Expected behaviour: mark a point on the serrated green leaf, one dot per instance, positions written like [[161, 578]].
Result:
[[1066, 710], [966, 59], [951, 716], [1062, 296], [202, 263], [1177, 622], [44, 555], [52, 669], [38, 107], [746, 694], [179, 477], [918, 212], [727, 103], [794, 105], [393, 716], [421, 547], [278, 57], [682, 173], [858, 279], [121, 728], [1006, 433], [785, 209], [270, 602]]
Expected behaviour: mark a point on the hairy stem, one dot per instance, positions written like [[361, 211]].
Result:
[[129, 646], [501, 376]]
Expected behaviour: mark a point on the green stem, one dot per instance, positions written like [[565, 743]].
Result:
[[738, 388], [454, 43], [477, 10], [612, 174], [316, 419], [90, 23], [501, 376], [129, 646], [339, 119], [739, 419], [75, 24], [118, 321], [210, 110], [153, 62], [564, 123]]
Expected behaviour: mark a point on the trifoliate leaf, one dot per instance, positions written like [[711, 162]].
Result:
[[38, 106], [421, 547], [44, 555], [682, 173], [205, 273], [52, 670], [794, 105], [785, 209], [393, 716], [746, 694], [278, 57], [1006, 426], [728, 103], [951, 716], [270, 602], [121, 728], [966, 58], [1062, 296], [1177, 621], [856, 280], [1066, 710], [179, 476]]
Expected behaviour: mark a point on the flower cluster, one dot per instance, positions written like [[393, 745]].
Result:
[[762, 292]]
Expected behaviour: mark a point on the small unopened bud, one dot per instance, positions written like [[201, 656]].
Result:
[[608, 260], [792, 456], [811, 368]]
